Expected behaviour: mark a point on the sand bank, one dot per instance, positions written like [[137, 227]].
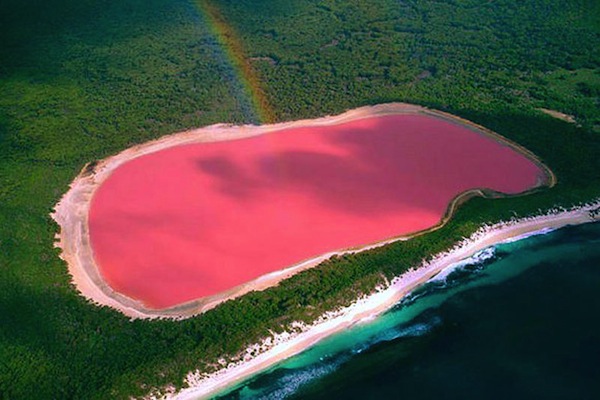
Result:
[[72, 211], [559, 115], [282, 346]]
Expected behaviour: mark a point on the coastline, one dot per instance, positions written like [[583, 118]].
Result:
[[282, 346], [71, 213]]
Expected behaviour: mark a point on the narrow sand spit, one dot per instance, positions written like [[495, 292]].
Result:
[[282, 346], [71, 213], [559, 115]]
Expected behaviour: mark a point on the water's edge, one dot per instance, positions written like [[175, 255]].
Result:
[[412, 319]]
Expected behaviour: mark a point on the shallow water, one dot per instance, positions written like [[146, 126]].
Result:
[[521, 321]]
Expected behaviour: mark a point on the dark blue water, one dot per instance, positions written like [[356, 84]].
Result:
[[524, 323]]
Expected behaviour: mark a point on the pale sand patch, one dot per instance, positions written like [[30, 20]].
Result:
[[71, 213], [559, 115], [279, 347]]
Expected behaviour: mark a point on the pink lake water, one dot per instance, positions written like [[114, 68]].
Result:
[[195, 220]]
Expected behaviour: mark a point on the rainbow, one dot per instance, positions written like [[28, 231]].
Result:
[[229, 41]]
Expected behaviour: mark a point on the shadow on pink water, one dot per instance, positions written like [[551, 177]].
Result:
[[194, 220]]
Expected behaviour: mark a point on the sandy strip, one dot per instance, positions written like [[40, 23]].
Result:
[[71, 213], [559, 115], [285, 345]]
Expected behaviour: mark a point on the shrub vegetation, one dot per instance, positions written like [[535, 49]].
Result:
[[80, 80]]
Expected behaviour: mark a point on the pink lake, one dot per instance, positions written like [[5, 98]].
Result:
[[195, 220]]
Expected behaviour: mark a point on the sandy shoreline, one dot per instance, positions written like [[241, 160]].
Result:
[[71, 213], [283, 346]]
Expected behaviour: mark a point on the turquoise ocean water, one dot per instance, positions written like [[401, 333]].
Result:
[[521, 320]]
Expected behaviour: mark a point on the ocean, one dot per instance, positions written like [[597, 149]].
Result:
[[520, 320]]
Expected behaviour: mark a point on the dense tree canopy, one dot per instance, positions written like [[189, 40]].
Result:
[[80, 80]]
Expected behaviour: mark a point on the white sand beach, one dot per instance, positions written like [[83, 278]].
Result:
[[280, 347]]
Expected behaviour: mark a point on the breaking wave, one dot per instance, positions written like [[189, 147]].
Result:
[[285, 381]]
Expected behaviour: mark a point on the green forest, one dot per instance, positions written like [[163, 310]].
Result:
[[82, 80]]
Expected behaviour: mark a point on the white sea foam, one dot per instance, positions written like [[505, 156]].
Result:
[[477, 258], [292, 381], [544, 231], [280, 346]]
